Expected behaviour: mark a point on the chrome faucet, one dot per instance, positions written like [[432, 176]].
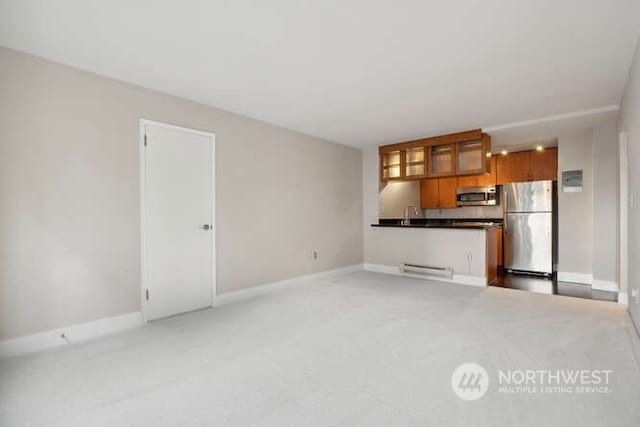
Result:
[[406, 220]]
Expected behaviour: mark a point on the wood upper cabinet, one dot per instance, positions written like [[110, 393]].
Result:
[[415, 162], [429, 193], [544, 164], [438, 193], [447, 187], [491, 177], [472, 156], [442, 160], [480, 180], [513, 167], [390, 166], [528, 166], [462, 153]]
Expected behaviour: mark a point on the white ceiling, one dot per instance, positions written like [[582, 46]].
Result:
[[545, 131], [355, 72]]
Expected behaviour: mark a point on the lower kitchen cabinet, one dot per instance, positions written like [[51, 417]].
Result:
[[492, 254], [499, 231], [438, 193]]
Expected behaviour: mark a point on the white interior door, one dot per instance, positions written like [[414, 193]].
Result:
[[178, 219]]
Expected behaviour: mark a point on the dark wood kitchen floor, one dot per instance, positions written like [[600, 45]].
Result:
[[552, 286]]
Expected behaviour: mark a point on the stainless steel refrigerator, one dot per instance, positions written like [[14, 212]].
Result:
[[528, 227]]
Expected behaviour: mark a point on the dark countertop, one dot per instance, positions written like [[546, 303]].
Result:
[[457, 223]]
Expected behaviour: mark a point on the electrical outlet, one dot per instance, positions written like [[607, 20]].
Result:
[[634, 295], [468, 256], [314, 254]]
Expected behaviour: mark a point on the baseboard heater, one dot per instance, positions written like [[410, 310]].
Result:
[[427, 270]]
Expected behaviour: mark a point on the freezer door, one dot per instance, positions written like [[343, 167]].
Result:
[[534, 196], [528, 242]]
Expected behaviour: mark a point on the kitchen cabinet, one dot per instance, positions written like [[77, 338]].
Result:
[[429, 193], [447, 189], [544, 164], [526, 166], [415, 162], [513, 167], [472, 156], [462, 153], [390, 166], [499, 244], [492, 255], [410, 163], [480, 180], [438, 193], [442, 160]]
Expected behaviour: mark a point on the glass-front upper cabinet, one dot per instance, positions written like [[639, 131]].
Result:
[[472, 156], [414, 163], [442, 160], [390, 165], [461, 153]]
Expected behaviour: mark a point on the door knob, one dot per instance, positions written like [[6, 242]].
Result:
[[206, 227]]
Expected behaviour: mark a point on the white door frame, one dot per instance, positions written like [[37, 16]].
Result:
[[141, 142]]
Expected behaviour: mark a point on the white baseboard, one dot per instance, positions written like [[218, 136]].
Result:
[[73, 333], [587, 279], [604, 285], [459, 279], [564, 276], [84, 331], [623, 298], [381, 268], [270, 287]]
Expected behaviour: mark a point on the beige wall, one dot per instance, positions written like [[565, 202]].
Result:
[[69, 196], [587, 221], [370, 198], [605, 203], [575, 210], [395, 197], [630, 123]]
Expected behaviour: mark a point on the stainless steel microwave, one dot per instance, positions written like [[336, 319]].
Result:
[[477, 196]]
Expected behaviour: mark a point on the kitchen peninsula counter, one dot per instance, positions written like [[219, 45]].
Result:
[[467, 250], [468, 227], [468, 223]]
